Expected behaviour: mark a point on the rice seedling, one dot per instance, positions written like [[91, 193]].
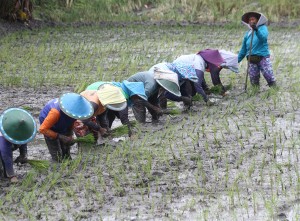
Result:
[[39, 164], [87, 139]]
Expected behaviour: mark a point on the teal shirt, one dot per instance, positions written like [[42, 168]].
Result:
[[259, 44]]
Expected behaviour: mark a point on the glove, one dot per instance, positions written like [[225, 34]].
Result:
[[253, 26], [210, 102], [21, 159], [65, 139]]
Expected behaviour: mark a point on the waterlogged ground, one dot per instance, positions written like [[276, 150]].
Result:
[[237, 160]]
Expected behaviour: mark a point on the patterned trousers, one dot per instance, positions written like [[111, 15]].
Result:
[[265, 67]]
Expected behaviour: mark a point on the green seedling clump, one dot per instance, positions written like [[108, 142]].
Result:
[[122, 130], [197, 97], [174, 111], [39, 164], [88, 139]]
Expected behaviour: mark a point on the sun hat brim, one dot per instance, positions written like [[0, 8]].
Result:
[[169, 86], [17, 126], [76, 106], [117, 107], [110, 94], [246, 16]]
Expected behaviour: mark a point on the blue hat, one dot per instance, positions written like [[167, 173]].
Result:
[[76, 106], [17, 126]]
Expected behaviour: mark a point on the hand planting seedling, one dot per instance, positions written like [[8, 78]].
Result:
[[87, 139]]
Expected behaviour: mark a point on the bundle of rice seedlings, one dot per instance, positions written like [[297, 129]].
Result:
[[88, 139], [119, 131], [39, 164], [122, 130], [174, 112], [171, 104]]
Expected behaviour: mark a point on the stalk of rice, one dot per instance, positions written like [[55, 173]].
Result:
[[175, 112], [119, 131], [39, 164], [122, 130], [172, 112], [88, 139]]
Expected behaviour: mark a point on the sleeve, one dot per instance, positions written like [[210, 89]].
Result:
[[51, 119], [91, 124], [243, 50], [123, 114], [6, 156], [103, 120], [262, 33], [215, 74], [198, 85]]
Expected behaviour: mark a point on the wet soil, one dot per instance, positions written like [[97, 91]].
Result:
[[237, 160], [202, 176]]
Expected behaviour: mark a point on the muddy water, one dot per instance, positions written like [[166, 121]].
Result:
[[177, 190], [237, 160]]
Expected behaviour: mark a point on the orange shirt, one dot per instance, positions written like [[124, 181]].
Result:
[[91, 95], [51, 119]]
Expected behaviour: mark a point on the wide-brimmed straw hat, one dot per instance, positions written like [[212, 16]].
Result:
[[246, 16], [76, 106], [17, 126], [112, 97], [168, 80]]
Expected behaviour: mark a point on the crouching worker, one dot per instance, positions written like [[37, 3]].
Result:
[[17, 128], [154, 85], [57, 119], [130, 90], [186, 75], [107, 98]]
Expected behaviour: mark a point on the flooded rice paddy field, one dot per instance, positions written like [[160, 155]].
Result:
[[237, 160]]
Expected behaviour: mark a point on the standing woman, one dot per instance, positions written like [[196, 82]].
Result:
[[260, 54]]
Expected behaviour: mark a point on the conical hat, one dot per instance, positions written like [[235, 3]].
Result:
[[95, 85], [246, 16], [76, 106], [112, 97], [17, 126], [168, 80]]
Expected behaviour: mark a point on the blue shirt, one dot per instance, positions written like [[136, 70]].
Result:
[[259, 44]]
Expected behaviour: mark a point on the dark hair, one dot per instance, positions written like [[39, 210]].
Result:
[[255, 15]]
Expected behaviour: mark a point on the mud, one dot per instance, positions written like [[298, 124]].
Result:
[[175, 189], [236, 160]]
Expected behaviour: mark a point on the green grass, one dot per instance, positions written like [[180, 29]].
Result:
[[57, 57], [162, 10]]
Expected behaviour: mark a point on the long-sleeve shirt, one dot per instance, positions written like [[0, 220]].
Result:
[[6, 155], [150, 84], [54, 121], [191, 60], [259, 44]]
